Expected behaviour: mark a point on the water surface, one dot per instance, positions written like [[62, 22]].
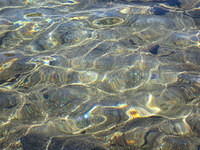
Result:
[[100, 75]]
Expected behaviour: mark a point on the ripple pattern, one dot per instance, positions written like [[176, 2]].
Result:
[[99, 75]]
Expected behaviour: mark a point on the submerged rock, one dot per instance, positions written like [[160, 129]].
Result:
[[98, 75], [41, 142]]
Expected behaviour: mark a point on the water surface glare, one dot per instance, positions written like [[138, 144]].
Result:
[[100, 75]]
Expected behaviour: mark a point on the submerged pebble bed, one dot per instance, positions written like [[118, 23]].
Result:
[[100, 75]]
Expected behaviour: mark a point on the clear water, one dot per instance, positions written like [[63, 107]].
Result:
[[100, 75]]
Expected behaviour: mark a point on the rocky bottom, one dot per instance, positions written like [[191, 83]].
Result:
[[99, 75]]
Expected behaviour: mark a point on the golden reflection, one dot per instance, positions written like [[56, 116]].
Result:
[[121, 106], [7, 64], [133, 113], [115, 136], [130, 142], [29, 29], [37, 14]]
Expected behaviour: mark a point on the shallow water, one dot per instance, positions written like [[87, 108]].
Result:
[[100, 75]]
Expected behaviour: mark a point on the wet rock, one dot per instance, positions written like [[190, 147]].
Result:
[[123, 79], [154, 50], [159, 11], [9, 99], [151, 138], [34, 142], [176, 3], [54, 127], [173, 100], [65, 34], [102, 114], [106, 118], [56, 76], [107, 22], [198, 147], [182, 67], [64, 100], [194, 120], [8, 56], [174, 127], [14, 68], [70, 33], [28, 82], [129, 42], [99, 50], [139, 138], [41, 142], [193, 56], [10, 132], [75, 142], [197, 22], [176, 143], [190, 78], [160, 22], [88, 77], [182, 39], [114, 61], [170, 56], [5, 25], [11, 40], [4, 3], [187, 5], [29, 112], [141, 122]]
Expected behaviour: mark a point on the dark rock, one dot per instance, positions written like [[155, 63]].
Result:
[[142, 122], [16, 67], [151, 137], [175, 143], [56, 143], [159, 11], [8, 99], [154, 50], [198, 147], [29, 111], [174, 3], [39, 142], [194, 122], [34, 142]]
